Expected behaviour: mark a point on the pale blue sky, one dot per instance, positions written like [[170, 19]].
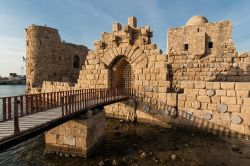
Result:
[[83, 21]]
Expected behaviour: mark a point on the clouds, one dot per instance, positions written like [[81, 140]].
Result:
[[83, 21], [92, 10]]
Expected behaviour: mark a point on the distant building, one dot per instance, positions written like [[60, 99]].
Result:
[[13, 76]]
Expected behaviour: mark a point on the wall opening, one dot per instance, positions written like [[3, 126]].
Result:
[[122, 76], [185, 47], [76, 63], [210, 45]]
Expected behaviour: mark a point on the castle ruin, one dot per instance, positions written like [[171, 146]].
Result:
[[201, 76]]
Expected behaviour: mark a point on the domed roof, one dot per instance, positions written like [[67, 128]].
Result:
[[196, 20]]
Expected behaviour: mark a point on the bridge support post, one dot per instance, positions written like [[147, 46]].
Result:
[[77, 137]]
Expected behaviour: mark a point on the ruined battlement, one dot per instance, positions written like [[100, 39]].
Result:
[[129, 34]]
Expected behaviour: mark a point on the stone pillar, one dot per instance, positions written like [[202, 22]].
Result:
[[132, 22], [116, 27], [77, 137]]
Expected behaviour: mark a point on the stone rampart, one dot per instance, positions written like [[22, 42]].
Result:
[[225, 104]]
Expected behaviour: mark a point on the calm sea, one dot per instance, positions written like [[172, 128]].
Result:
[[11, 90]]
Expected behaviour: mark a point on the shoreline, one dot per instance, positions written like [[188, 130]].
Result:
[[12, 82]]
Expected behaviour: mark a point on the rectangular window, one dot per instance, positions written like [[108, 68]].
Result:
[[185, 47], [210, 45]]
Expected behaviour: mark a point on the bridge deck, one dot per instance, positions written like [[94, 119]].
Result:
[[29, 121], [15, 128]]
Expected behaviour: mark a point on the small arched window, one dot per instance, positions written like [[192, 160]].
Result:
[[76, 63]]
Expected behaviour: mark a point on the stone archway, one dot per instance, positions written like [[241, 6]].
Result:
[[122, 76]]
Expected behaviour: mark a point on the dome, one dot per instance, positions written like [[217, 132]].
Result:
[[196, 20]]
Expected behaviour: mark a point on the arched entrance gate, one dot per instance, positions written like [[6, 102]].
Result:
[[122, 77]]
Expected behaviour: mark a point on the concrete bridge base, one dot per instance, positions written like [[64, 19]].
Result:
[[77, 137]]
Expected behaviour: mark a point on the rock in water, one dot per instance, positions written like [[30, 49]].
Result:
[[173, 157], [235, 148], [143, 155], [114, 162], [101, 163]]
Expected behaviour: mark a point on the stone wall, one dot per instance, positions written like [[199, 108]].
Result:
[[50, 86], [205, 52], [200, 51], [133, 46], [140, 111], [76, 137], [223, 103], [50, 59]]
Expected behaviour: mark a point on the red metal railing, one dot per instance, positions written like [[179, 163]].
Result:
[[18, 106], [71, 101], [88, 98]]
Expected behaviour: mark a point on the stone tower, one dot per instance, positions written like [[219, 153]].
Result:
[[201, 50], [50, 59]]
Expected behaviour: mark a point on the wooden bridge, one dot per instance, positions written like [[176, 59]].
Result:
[[23, 117]]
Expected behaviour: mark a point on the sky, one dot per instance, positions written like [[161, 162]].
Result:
[[83, 21]]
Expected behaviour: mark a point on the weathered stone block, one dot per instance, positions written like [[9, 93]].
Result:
[[162, 89], [172, 99], [216, 85], [196, 105], [210, 92], [212, 107], [233, 108], [116, 27], [204, 99], [204, 106], [50, 138], [132, 21], [215, 99], [207, 116], [228, 85], [238, 128], [191, 91], [182, 97], [187, 84], [228, 100], [160, 64], [202, 92], [231, 93], [246, 101], [164, 83], [200, 85], [209, 85], [221, 92], [242, 93], [236, 119], [242, 86], [225, 117], [222, 108], [181, 104], [69, 140], [191, 97]]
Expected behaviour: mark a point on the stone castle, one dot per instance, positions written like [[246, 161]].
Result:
[[201, 77]]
